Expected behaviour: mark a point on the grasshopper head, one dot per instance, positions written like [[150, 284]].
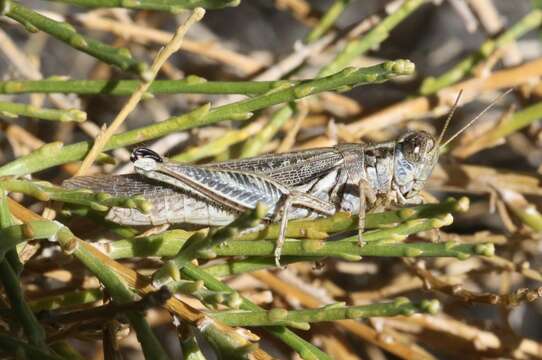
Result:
[[416, 154]]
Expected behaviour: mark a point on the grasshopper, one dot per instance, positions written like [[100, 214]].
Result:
[[349, 177]]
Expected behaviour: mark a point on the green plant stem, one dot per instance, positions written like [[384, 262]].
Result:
[[158, 246], [97, 201], [531, 21], [120, 294], [517, 121], [169, 245], [409, 220], [250, 264], [349, 249], [20, 349], [327, 20], [353, 49], [55, 154], [215, 238], [13, 289], [342, 221], [33, 230], [305, 349], [66, 300], [280, 316], [66, 350], [190, 347], [65, 32], [216, 146], [25, 317], [169, 242], [526, 211], [190, 85], [14, 110], [209, 298], [254, 145], [11, 256], [529, 216], [359, 46], [173, 6]]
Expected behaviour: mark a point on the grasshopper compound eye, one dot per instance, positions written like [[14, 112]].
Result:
[[145, 153], [417, 145]]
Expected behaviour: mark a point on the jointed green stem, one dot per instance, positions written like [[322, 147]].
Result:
[[15, 110], [18, 349], [517, 121], [64, 32], [466, 66], [332, 312], [209, 297], [347, 249], [410, 220], [327, 21], [217, 146], [66, 299], [55, 154], [190, 85], [120, 294], [97, 201], [250, 264], [359, 46], [304, 348], [350, 250], [342, 221], [352, 50], [254, 145], [173, 6], [12, 285], [34, 230], [197, 244]]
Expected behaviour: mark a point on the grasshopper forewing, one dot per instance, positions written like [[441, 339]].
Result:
[[232, 189]]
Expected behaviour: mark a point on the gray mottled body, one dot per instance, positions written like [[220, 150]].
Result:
[[347, 177], [213, 194]]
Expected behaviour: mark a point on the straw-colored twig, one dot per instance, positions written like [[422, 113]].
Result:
[[172, 47]]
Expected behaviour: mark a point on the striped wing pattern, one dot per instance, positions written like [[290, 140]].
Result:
[[242, 190]]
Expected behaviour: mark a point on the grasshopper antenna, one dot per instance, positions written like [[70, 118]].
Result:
[[450, 116], [476, 118]]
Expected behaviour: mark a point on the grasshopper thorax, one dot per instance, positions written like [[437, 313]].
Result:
[[416, 154]]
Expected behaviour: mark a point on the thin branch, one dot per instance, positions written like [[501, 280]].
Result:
[[172, 47]]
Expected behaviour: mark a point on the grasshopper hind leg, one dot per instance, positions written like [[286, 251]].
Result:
[[298, 199], [282, 230]]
